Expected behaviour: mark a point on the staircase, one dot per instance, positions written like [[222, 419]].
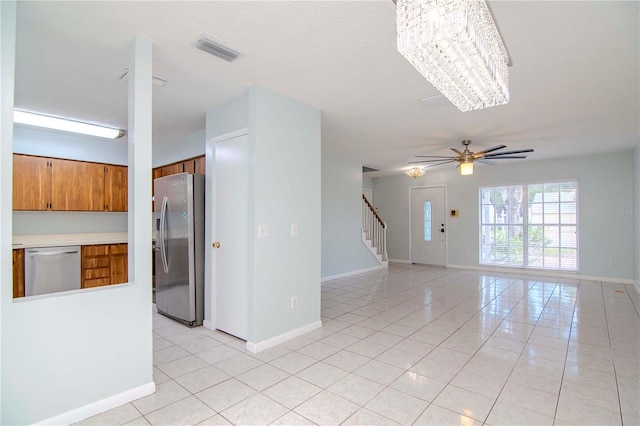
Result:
[[374, 232]]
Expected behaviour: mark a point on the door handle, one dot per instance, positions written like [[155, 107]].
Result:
[[442, 230], [216, 244]]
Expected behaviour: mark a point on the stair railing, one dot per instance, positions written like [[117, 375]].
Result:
[[374, 226]]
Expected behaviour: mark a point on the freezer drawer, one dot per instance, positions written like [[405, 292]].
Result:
[[51, 269]]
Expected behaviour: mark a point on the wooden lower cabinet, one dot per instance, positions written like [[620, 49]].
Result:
[[104, 264], [119, 262], [18, 273]]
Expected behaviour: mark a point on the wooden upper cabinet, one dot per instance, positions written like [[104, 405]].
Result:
[[77, 185], [31, 182], [189, 166], [172, 169], [200, 163], [115, 188]]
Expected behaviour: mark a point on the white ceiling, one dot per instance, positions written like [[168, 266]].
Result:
[[574, 81]]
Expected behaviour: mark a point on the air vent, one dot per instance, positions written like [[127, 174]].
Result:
[[215, 48]]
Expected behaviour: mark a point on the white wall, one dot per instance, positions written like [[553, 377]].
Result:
[[70, 355], [605, 185], [636, 194], [284, 135], [190, 146], [342, 248]]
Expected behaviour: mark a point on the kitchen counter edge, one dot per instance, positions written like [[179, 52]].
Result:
[[56, 240]]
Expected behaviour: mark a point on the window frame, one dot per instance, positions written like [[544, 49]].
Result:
[[525, 226]]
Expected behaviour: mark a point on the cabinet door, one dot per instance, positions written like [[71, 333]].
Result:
[[115, 188], [77, 186], [18, 273], [189, 166], [200, 165], [31, 180], [172, 169], [119, 264], [95, 266]]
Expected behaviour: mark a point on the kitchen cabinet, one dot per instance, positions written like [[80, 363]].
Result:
[[41, 183], [77, 186], [200, 165], [118, 263], [104, 264], [116, 185], [31, 181], [18, 273]]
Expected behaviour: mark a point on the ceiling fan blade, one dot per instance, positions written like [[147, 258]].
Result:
[[432, 165], [506, 157], [486, 151], [433, 161], [432, 156], [457, 151], [486, 162], [520, 151]]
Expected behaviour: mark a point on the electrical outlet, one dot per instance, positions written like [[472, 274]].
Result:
[[294, 302], [294, 230], [612, 263]]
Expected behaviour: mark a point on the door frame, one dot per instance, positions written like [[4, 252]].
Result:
[[209, 264], [446, 221]]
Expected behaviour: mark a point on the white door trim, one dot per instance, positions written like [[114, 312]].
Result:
[[446, 220]]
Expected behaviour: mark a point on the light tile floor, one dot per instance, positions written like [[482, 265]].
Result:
[[414, 345]]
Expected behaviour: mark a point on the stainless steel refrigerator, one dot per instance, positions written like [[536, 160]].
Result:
[[179, 253]]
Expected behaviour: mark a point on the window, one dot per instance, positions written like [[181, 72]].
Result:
[[530, 226], [427, 220]]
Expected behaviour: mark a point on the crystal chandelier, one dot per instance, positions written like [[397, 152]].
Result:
[[415, 172], [456, 45]]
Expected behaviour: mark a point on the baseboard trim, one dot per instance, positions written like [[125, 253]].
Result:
[[208, 324], [275, 341], [348, 274], [542, 273], [399, 261], [106, 404]]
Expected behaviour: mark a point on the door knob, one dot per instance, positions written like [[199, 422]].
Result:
[[442, 230], [216, 244]]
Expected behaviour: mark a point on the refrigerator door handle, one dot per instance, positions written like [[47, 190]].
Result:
[[163, 236]]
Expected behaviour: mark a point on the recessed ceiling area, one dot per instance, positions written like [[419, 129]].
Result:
[[574, 81]]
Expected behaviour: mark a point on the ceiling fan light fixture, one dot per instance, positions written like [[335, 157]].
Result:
[[466, 168], [415, 172], [457, 46], [66, 125]]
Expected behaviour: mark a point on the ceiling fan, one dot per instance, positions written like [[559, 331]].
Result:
[[466, 158]]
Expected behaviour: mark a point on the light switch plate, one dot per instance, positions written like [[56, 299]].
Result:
[[263, 231], [294, 230]]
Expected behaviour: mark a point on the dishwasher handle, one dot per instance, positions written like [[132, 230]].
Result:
[[50, 253]]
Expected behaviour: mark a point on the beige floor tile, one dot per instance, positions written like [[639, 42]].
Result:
[[356, 389], [262, 377], [202, 379], [116, 416], [225, 394], [327, 409], [188, 411], [292, 392], [398, 406], [256, 410]]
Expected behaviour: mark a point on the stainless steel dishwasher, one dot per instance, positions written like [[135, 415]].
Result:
[[51, 269]]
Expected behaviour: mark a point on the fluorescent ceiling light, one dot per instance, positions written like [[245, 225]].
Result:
[[39, 120], [456, 45]]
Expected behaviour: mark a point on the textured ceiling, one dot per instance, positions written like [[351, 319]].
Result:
[[574, 81]]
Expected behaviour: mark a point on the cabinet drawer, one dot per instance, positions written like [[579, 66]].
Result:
[[118, 248], [95, 282], [95, 262], [90, 274], [99, 250]]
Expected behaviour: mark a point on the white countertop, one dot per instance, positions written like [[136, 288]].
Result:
[[55, 240]]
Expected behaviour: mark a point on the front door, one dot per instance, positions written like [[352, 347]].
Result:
[[230, 254], [428, 241]]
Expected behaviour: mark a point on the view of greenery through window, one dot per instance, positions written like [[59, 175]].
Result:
[[530, 226]]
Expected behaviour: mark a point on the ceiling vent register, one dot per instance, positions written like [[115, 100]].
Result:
[[215, 48]]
